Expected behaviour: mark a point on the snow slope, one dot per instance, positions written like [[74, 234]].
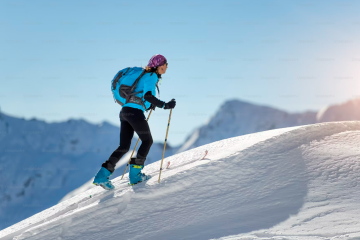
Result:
[[290, 183], [42, 162]]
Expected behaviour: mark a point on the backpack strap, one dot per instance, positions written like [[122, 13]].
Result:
[[133, 87], [127, 70], [131, 97], [136, 81]]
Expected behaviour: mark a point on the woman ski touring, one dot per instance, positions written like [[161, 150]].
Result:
[[132, 119]]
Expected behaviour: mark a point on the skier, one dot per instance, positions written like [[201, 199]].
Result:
[[132, 119]]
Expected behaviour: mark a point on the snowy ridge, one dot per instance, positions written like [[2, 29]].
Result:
[[290, 183]]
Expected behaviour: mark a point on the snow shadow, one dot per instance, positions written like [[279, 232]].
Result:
[[247, 192]]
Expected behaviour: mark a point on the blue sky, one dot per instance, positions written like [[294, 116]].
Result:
[[57, 58]]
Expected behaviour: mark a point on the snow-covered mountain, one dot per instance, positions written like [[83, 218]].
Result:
[[236, 118], [40, 162], [298, 183], [348, 111], [59, 160]]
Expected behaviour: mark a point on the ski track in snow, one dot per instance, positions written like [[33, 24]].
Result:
[[293, 183]]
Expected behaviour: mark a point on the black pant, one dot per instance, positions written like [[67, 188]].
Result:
[[131, 120]]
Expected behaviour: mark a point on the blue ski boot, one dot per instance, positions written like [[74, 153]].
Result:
[[135, 174], [102, 179]]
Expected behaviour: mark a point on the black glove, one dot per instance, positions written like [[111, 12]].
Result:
[[152, 106], [170, 104]]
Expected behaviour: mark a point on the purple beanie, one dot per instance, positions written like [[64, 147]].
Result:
[[157, 60]]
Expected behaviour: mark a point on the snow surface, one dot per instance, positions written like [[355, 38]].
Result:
[[290, 183], [42, 162]]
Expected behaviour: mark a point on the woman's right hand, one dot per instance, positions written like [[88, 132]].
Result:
[[170, 104]]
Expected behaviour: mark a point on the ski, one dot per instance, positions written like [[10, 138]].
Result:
[[132, 184], [148, 177]]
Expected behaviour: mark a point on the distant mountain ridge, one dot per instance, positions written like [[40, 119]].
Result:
[[347, 111], [236, 118]]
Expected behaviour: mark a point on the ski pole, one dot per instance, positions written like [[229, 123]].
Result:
[[134, 149], [165, 144]]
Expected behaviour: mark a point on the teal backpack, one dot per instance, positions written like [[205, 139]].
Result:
[[124, 84]]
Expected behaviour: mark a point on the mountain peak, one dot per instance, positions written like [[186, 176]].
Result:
[[236, 117], [346, 111]]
